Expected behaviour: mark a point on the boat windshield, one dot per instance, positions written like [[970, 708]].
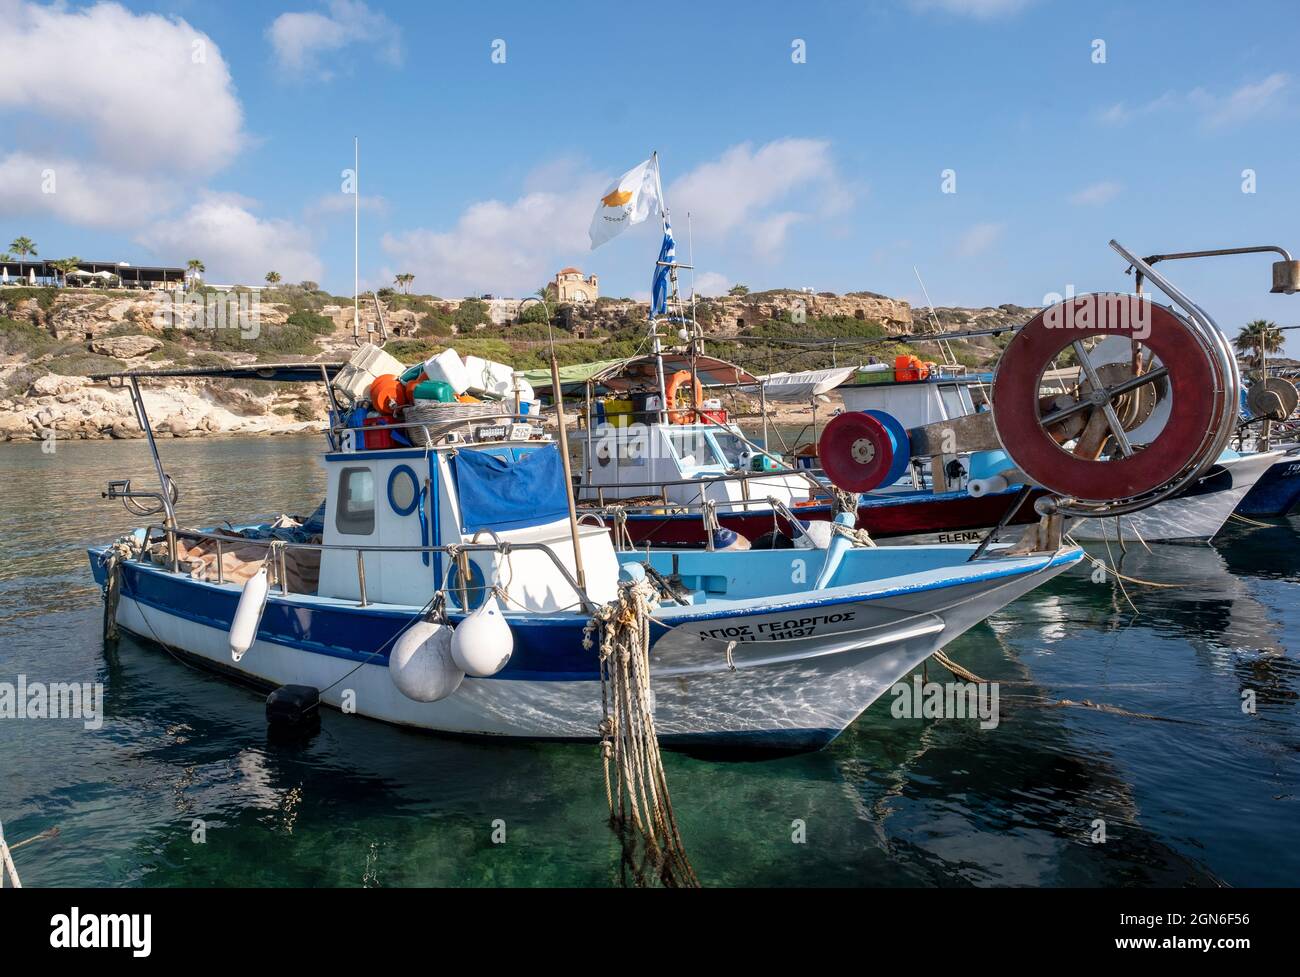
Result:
[[694, 449], [729, 447], [956, 401]]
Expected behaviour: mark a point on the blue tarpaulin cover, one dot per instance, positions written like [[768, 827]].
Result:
[[497, 493]]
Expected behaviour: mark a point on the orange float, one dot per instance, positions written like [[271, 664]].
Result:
[[387, 393]]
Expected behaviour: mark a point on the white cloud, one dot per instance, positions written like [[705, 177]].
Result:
[[329, 204], [1096, 194], [79, 193], [1244, 103], [147, 92], [303, 40], [728, 194], [506, 248], [235, 244], [980, 9], [768, 234], [978, 239], [711, 283], [512, 247]]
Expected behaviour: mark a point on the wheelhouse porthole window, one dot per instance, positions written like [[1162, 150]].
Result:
[[354, 514]]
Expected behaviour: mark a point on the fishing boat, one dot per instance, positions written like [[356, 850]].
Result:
[[924, 463], [674, 480], [1268, 409], [778, 650]]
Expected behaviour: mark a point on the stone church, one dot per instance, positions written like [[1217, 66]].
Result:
[[570, 286]]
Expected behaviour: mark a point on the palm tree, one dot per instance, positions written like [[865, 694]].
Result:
[[23, 246], [196, 268], [272, 278], [1259, 339], [403, 282], [66, 266]]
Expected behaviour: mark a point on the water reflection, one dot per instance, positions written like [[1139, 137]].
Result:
[[1206, 798]]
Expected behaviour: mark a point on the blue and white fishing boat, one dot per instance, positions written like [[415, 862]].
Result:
[[766, 650]]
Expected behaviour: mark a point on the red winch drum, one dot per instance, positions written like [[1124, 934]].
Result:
[[856, 451], [1195, 385]]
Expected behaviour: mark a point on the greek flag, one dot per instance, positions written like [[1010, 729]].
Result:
[[659, 283]]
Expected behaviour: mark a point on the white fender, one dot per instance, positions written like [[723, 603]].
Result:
[[482, 643], [421, 665], [980, 487], [248, 615], [818, 536], [1000, 482]]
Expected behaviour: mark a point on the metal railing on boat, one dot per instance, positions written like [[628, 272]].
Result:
[[708, 512], [456, 551]]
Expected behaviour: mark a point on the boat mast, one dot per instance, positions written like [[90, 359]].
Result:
[[654, 330], [356, 239]]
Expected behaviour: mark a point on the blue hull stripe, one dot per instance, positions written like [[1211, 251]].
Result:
[[547, 647]]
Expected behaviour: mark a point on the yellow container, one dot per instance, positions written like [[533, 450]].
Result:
[[616, 413]]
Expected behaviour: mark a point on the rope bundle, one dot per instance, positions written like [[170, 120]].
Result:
[[640, 808], [125, 548]]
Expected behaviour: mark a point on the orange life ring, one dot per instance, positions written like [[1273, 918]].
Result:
[[678, 415]]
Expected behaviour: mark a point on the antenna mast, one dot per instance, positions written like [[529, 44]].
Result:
[[356, 238]]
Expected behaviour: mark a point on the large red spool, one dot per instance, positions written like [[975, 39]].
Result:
[[1195, 384], [856, 451]]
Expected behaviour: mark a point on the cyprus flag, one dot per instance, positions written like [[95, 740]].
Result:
[[630, 199]]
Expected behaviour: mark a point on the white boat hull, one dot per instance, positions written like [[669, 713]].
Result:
[[792, 693]]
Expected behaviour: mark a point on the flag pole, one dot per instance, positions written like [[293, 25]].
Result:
[[356, 238], [654, 331]]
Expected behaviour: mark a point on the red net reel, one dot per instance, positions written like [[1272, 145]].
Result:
[[1076, 444], [856, 451]]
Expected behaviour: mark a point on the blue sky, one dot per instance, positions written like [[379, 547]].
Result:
[[226, 127]]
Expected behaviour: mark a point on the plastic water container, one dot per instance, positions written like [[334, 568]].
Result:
[[438, 390], [448, 368], [488, 377], [354, 380]]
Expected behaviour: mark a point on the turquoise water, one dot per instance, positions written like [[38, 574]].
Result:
[[1208, 799]]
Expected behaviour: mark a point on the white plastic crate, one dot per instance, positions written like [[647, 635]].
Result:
[[447, 367], [487, 377], [354, 380]]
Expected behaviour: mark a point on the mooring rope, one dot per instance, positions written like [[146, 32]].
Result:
[[124, 549], [640, 807], [7, 868], [1250, 522], [1047, 702]]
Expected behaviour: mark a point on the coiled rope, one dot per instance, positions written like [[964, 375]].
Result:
[[640, 807], [126, 548]]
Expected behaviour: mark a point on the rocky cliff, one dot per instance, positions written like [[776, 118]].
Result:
[[52, 339]]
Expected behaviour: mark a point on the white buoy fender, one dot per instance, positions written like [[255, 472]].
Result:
[[248, 614], [980, 487], [818, 535], [421, 665], [483, 642]]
